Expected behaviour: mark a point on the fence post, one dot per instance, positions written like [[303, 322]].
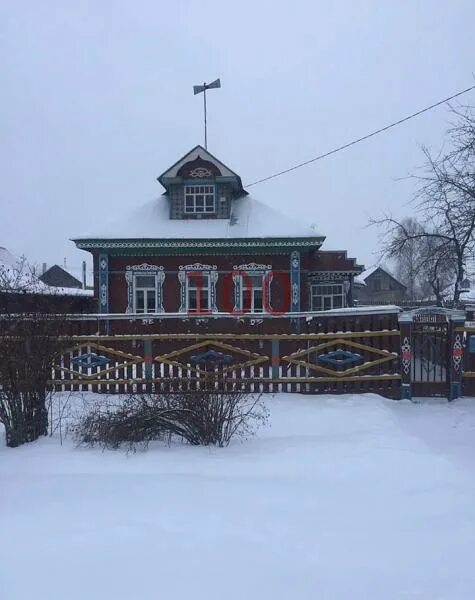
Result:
[[275, 358], [405, 329], [148, 358], [456, 357]]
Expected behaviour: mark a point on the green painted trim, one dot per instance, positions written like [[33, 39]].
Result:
[[151, 247]]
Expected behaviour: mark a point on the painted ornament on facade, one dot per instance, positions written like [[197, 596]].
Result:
[[89, 360], [200, 172], [457, 353], [104, 294], [406, 356]]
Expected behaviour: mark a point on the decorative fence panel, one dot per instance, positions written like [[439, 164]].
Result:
[[429, 351], [341, 362]]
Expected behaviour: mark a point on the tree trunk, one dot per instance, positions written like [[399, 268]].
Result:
[[28, 418], [458, 283]]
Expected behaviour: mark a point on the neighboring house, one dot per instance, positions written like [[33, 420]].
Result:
[[56, 276], [21, 290], [467, 293], [376, 285], [207, 246]]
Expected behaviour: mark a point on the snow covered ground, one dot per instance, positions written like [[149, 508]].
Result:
[[349, 497]]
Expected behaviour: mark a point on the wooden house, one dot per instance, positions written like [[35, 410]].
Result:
[[56, 276], [377, 285], [207, 247]]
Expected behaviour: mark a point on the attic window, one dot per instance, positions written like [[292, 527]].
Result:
[[199, 199]]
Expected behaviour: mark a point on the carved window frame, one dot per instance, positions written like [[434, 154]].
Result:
[[252, 269], [132, 271], [208, 271]]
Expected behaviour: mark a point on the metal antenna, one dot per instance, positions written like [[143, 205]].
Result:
[[197, 89]]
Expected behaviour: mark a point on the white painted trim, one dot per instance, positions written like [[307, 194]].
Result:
[[199, 212], [191, 156]]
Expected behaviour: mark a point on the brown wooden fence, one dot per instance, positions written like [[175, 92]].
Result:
[[358, 361], [419, 353]]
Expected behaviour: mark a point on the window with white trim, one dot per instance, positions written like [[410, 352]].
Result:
[[197, 292], [327, 296], [199, 199], [145, 294], [252, 292]]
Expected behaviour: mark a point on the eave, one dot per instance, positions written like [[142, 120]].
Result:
[[180, 246]]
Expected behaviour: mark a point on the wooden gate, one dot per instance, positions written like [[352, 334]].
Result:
[[430, 370], [432, 352]]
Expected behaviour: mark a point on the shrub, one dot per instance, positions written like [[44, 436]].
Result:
[[210, 417]]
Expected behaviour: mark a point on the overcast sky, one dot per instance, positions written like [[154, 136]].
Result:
[[96, 101]]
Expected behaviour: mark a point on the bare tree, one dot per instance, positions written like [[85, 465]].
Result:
[[444, 208], [408, 260], [29, 341]]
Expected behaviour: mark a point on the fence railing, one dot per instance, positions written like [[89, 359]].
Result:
[[344, 361], [342, 351]]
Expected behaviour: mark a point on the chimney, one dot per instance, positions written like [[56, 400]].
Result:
[[44, 269]]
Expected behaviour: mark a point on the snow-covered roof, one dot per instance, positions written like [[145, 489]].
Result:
[[366, 273], [362, 277], [250, 218], [467, 293], [17, 275], [66, 291]]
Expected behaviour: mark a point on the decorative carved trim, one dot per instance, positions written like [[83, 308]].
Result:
[[144, 267], [213, 279], [103, 297], [237, 280], [256, 269], [336, 276], [197, 267], [157, 271], [208, 270], [295, 259], [267, 288], [209, 243], [200, 172], [103, 283], [197, 168], [295, 294], [252, 267], [295, 280], [182, 280]]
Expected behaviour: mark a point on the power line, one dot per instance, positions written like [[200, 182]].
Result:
[[361, 139]]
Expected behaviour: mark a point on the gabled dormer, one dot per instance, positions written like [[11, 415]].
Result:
[[201, 187]]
